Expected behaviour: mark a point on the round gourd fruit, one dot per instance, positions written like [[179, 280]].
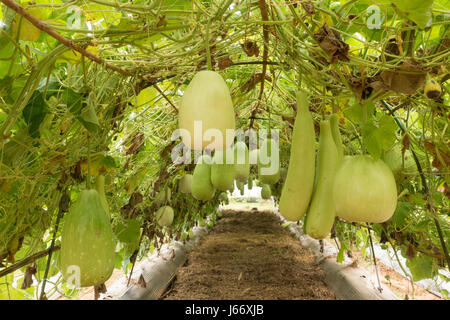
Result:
[[403, 171], [87, 242], [241, 160], [202, 188], [266, 193], [364, 190], [164, 216], [185, 184], [223, 170], [206, 102], [163, 196], [269, 162]]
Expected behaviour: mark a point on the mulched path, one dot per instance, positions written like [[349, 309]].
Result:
[[249, 255]]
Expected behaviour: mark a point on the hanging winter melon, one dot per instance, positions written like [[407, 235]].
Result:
[[87, 242], [223, 170], [241, 160], [185, 184], [202, 188], [206, 102], [364, 190], [253, 156], [269, 162], [164, 216], [297, 190]]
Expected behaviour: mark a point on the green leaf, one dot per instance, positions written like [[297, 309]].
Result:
[[355, 112], [380, 136], [89, 119], [34, 113], [421, 267], [129, 232], [418, 11], [401, 214]]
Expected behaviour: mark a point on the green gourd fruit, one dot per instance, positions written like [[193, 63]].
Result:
[[321, 214], [403, 167], [269, 162], [223, 170], [364, 190], [298, 188], [164, 216], [206, 101], [241, 161], [253, 156], [100, 187], [87, 242], [185, 184], [250, 183], [241, 187], [202, 188], [334, 123], [266, 193], [163, 197]]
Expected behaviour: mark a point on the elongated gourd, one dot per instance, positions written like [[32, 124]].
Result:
[[241, 160], [202, 188], [253, 156], [321, 213], [241, 187], [185, 184], [298, 188], [364, 190], [334, 123], [100, 187], [269, 162], [250, 183], [207, 101], [223, 170], [87, 242]]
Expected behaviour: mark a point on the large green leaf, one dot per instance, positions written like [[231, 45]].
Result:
[[34, 113], [379, 135], [421, 267], [418, 11]]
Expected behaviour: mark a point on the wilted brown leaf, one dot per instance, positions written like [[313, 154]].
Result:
[[330, 41], [253, 81], [225, 63], [308, 6], [250, 48], [409, 78], [136, 144]]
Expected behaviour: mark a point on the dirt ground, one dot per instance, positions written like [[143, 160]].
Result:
[[249, 255]]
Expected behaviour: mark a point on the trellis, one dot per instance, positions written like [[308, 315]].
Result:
[[265, 48]]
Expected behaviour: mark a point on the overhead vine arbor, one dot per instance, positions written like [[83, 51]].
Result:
[[92, 88]]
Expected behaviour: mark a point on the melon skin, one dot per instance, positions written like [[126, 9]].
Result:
[[321, 213], [241, 161], [202, 188], [267, 163], [253, 156], [298, 187], [206, 99], [87, 242], [164, 216], [223, 173], [364, 190], [185, 184]]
